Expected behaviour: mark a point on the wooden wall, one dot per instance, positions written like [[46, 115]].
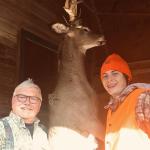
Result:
[[15, 15]]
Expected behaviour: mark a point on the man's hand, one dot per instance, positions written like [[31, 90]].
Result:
[[142, 111]]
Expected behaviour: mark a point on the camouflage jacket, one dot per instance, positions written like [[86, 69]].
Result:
[[20, 137]]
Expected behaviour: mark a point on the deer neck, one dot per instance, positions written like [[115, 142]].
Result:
[[72, 60]]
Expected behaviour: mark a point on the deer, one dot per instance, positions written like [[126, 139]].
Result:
[[74, 119]]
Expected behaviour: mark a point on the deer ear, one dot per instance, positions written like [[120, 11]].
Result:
[[60, 28]]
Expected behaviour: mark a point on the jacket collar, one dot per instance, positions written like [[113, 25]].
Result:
[[19, 121], [114, 103]]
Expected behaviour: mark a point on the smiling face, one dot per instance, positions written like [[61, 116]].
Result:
[[25, 108], [114, 82]]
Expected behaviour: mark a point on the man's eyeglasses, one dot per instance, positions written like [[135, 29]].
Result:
[[33, 99]]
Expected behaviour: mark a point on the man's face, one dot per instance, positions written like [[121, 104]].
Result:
[[26, 103], [114, 82]]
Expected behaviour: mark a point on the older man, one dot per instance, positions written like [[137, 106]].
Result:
[[21, 130]]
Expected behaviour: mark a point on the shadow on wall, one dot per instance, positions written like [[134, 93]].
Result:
[[38, 60]]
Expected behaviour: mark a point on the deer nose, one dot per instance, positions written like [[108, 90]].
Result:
[[102, 40]]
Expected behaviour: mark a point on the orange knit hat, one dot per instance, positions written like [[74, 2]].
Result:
[[115, 62]]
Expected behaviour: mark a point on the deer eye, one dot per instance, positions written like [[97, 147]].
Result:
[[86, 29]]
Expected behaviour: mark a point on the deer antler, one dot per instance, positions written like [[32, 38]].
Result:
[[71, 8]]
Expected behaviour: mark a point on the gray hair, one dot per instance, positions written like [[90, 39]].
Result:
[[27, 84]]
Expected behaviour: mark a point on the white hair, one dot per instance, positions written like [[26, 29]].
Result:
[[27, 84]]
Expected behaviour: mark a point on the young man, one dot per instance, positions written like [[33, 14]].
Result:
[[128, 118], [21, 130]]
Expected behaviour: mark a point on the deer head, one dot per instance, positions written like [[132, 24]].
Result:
[[82, 36]]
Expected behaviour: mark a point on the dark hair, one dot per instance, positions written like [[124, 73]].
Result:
[[127, 78]]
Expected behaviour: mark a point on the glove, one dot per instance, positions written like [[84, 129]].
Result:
[[142, 112]]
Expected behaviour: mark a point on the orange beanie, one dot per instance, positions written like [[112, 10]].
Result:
[[115, 62]]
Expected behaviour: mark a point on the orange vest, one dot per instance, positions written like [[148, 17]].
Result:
[[122, 132]]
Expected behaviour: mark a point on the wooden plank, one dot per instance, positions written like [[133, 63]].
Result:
[[14, 16]]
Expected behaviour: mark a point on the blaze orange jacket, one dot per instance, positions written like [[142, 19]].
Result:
[[122, 131]]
